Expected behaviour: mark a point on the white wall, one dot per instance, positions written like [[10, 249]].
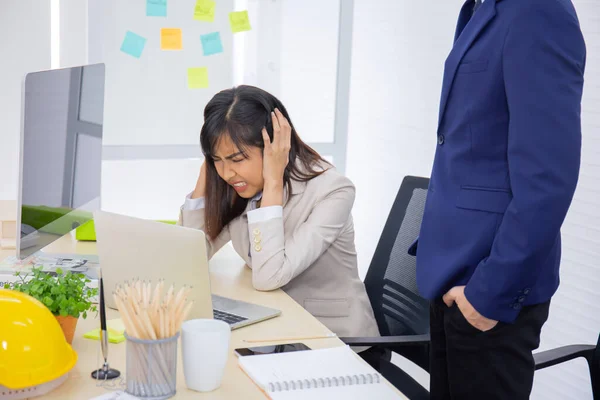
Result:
[[397, 67], [25, 46], [309, 67], [73, 32], [291, 52]]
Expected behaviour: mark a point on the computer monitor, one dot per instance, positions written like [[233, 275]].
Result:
[[60, 155]]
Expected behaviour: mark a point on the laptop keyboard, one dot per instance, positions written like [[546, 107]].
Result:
[[231, 319]]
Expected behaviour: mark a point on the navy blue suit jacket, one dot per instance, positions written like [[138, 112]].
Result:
[[507, 158]]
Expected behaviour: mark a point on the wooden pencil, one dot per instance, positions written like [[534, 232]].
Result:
[[148, 314]]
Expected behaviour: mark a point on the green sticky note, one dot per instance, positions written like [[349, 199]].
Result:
[[239, 21], [205, 10], [198, 78], [156, 8], [86, 232], [133, 44], [211, 43], [113, 336], [114, 328]]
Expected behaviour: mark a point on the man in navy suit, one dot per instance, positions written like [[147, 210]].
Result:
[[504, 174]]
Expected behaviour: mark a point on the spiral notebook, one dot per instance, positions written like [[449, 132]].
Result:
[[317, 374]]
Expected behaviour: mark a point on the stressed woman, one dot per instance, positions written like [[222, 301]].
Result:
[[285, 209]]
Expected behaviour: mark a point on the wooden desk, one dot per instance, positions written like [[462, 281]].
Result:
[[229, 277]]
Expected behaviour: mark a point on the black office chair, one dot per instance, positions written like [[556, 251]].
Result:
[[403, 315], [591, 353]]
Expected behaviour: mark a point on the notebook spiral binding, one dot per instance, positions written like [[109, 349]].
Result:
[[360, 379]]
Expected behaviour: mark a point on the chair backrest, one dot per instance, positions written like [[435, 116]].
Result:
[[391, 278]]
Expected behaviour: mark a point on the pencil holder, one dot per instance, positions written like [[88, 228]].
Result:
[[152, 367]]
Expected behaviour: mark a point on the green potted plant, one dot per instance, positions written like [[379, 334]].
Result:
[[66, 295]]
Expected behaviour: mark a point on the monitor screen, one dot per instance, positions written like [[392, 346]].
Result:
[[61, 153]]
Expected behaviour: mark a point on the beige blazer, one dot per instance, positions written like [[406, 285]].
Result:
[[309, 253]]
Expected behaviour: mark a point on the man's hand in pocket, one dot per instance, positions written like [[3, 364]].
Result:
[[457, 295]]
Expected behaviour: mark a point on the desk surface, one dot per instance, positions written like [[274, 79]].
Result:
[[230, 278]]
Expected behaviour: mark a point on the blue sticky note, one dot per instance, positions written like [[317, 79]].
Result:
[[211, 43], [133, 44], [156, 8]]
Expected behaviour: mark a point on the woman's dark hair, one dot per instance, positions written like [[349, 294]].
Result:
[[241, 113]]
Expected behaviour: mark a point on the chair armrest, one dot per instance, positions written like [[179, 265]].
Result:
[[559, 355], [388, 341]]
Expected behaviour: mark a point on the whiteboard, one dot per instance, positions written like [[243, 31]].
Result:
[[147, 101]]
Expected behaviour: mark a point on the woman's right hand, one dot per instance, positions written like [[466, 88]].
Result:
[[200, 189]]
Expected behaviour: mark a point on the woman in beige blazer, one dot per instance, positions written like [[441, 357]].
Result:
[[285, 209]]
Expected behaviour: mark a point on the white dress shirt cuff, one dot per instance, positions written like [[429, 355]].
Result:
[[264, 214], [193, 204]]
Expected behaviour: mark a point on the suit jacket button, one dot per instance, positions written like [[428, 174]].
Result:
[[441, 139], [256, 231], [258, 247], [516, 306], [521, 299], [526, 291]]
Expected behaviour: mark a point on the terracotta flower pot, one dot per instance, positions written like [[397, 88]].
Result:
[[68, 325]]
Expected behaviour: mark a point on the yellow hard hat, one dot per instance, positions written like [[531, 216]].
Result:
[[33, 348]]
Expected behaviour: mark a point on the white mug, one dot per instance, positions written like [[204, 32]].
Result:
[[204, 349]]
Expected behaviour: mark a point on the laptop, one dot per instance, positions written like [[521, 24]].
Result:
[[130, 248]]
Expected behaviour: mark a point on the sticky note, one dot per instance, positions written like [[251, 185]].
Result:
[[211, 43], [133, 44], [114, 328], [205, 10], [198, 78], [113, 336], [239, 21], [170, 39], [156, 8]]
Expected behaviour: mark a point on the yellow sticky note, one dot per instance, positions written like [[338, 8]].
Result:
[[170, 39], [198, 78], [204, 10], [115, 329], [113, 336], [239, 21]]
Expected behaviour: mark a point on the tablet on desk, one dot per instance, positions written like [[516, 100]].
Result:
[[278, 348]]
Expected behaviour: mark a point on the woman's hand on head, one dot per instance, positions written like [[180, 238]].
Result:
[[277, 152], [200, 189]]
